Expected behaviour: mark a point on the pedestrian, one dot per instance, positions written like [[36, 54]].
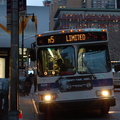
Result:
[[28, 84], [35, 82]]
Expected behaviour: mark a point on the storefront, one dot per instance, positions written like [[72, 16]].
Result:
[[4, 62]]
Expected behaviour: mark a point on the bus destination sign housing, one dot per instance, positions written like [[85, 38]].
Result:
[[74, 37]]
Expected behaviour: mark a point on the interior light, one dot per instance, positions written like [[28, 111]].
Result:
[[50, 51], [45, 73], [53, 72]]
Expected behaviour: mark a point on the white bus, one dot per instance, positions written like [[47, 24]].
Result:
[[74, 70]]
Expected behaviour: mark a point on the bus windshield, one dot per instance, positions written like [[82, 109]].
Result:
[[93, 59], [55, 61]]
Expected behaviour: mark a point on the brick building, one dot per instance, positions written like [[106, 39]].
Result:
[[55, 4]]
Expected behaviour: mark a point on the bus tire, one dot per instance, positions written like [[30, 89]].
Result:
[[45, 116], [46, 111], [105, 110]]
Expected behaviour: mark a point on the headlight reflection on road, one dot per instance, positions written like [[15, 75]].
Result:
[[111, 112]]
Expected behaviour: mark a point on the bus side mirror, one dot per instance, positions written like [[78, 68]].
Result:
[[33, 55], [117, 68]]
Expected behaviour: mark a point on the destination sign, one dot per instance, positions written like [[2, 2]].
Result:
[[71, 38]]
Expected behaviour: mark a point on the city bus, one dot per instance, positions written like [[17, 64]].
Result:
[[74, 70]]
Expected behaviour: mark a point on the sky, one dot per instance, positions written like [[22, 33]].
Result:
[[35, 2]]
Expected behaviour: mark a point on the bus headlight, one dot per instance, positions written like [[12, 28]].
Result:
[[48, 97], [104, 93]]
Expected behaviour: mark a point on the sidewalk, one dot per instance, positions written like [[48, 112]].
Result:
[[27, 107]]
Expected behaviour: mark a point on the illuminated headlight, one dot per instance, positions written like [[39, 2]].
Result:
[[48, 97], [103, 93]]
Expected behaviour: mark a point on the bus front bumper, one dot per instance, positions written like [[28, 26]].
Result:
[[78, 104]]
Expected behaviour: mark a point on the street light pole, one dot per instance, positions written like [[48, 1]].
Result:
[[23, 18]]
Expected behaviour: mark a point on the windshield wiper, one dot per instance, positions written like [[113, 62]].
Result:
[[90, 71], [59, 78]]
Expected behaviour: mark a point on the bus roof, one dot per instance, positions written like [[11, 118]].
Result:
[[72, 30]]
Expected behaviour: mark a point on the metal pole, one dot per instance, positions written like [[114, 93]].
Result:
[[23, 18], [22, 40], [14, 77]]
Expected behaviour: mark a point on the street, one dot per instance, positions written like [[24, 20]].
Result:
[[114, 113]]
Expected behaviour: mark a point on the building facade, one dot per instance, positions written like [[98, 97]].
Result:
[[3, 2], [47, 2], [108, 4], [55, 4]]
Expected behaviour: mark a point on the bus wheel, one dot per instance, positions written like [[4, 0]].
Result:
[[41, 116], [45, 111], [105, 110], [45, 116]]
